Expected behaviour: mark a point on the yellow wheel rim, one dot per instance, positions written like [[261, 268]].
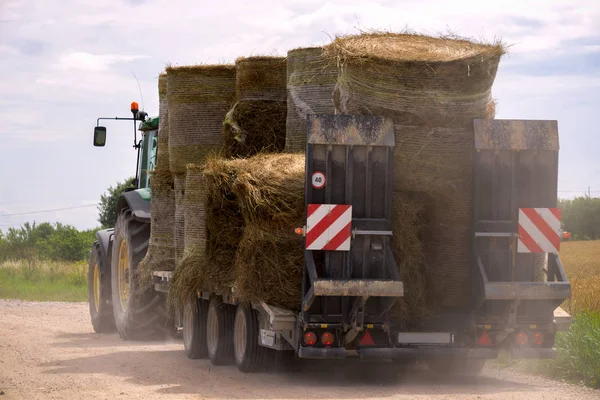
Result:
[[124, 275], [97, 287]]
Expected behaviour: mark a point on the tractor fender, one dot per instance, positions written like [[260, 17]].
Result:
[[104, 239], [139, 206]]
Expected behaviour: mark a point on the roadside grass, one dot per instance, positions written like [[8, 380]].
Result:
[[578, 358], [43, 280]]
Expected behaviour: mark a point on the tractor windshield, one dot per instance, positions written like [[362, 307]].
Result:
[[147, 157]]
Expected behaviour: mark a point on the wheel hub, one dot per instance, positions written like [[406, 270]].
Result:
[[96, 287], [240, 338]]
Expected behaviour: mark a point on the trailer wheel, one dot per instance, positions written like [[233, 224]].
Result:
[[99, 293], [140, 312], [220, 319], [456, 366], [249, 355], [194, 328]]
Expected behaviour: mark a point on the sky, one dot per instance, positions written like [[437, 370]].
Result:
[[64, 64]]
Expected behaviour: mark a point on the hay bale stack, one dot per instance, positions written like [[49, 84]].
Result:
[[256, 123], [224, 223], [161, 251], [163, 163], [432, 88], [269, 260], [310, 84], [199, 97]]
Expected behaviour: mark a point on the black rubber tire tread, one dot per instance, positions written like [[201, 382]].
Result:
[[225, 313], [255, 356], [195, 344], [146, 316], [103, 320], [456, 366]]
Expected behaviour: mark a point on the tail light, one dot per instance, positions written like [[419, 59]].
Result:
[[521, 339], [310, 339], [537, 338], [327, 339]]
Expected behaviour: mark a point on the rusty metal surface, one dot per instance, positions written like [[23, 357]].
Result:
[[505, 134], [350, 130], [375, 288]]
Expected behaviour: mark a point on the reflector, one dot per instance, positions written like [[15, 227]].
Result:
[[367, 340], [484, 340]]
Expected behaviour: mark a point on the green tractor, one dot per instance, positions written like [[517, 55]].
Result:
[[117, 301]]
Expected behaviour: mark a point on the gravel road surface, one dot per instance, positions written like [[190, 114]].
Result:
[[49, 351]]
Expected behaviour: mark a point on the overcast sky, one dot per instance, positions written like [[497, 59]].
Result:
[[65, 63]]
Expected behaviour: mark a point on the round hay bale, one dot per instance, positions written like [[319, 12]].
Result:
[[256, 123], [432, 88], [198, 98], [224, 223], [162, 162], [261, 78], [310, 84], [268, 267], [194, 209], [270, 190], [408, 224], [161, 251], [179, 188], [416, 79]]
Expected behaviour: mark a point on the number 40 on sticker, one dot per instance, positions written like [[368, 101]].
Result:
[[318, 180]]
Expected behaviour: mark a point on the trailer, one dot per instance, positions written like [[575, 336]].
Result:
[[350, 277]]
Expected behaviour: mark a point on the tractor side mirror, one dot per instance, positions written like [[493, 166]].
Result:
[[99, 136]]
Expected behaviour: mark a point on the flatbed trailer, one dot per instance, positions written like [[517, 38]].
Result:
[[351, 279]]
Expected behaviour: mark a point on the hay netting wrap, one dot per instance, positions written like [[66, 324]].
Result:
[[179, 188], [310, 84], [432, 88], [256, 123], [198, 99], [162, 162], [161, 250]]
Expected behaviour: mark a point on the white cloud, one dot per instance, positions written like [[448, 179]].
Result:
[[79, 60]]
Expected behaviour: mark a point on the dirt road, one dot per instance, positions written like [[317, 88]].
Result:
[[49, 351]]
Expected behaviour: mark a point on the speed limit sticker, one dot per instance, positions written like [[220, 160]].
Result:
[[318, 180]]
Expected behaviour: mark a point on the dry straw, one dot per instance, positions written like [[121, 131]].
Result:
[[310, 84], [256, 122], [433, 88], [199, 97]]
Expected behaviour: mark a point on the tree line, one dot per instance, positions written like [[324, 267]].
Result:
[[581, 217], [60, 242]]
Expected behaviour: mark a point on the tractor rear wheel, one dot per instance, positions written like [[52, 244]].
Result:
[[140, 312], [99, 293]]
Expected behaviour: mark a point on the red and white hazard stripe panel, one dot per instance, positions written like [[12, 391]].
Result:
[[539, 230], [329, 227]]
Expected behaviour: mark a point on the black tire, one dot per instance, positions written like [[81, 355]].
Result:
[[219, 332], [249, 355], [99, 292], [456, 366], [144, 315], [194, 328]]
